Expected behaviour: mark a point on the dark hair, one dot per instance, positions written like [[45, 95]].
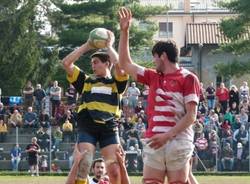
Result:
[[103, 57], [96, 161], [169, 47]]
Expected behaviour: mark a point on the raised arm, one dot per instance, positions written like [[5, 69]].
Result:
[[69, 60], [125, 60]]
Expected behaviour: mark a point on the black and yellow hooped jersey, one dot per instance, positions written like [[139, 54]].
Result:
[[100, 96]]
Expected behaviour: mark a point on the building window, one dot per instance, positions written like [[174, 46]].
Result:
[[163, 27]]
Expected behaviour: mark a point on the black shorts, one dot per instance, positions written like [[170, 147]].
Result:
[[33, 161], [104, 136]]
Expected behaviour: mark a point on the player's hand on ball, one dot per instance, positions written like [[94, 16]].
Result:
[[111, 39]]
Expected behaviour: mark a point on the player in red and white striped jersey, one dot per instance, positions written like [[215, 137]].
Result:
[[172, 108]]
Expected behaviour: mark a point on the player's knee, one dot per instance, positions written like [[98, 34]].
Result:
[[152, 181], [114, 170], [85, 165]]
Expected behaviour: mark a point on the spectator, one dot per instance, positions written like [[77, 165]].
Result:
[[244, 91], [55, 96], [67, 131], [39, 95], [243, 116], [138, 107], [132, 137], [198, 129], [202, 93], [28, 95], [234, 109], [30, 119], [201, 145], [239, 156], [44, 163], [43, 139], [3, 131], [222, 95], [210, 91], [145, 93], [3, 112], [33, 150], [234, 96], [226, 133], [44, 119], [227, 158], [60, 110], [140, 127], [57, 135], [236, 124], [15, 119], [133, 94], [241, 135], [71, 95], [15, 154], [214, 145], [228, 116]]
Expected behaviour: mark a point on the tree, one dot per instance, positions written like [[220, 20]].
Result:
[[237, 29], [75, 21], [19, 49]]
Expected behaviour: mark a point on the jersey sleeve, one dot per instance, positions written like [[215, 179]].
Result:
[[191, 89], [144, 75], [77, 79], [121, 83]]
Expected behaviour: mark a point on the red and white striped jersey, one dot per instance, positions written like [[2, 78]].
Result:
[[167, 97]]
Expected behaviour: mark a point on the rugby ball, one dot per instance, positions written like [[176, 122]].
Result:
[[98, 37]]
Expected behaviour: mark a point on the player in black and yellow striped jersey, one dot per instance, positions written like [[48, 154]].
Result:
[[100, 105]]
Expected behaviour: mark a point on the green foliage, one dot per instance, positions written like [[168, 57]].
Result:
[[236, 68], [74, 22], [19, 51]]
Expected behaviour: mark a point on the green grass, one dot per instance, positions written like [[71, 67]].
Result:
[[134, 180]]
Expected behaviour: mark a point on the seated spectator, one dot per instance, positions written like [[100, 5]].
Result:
[[138, 107], [227, 158], [44, 163], [201, 145], [198, 129], [16, 119], [234, 109], [226, 132], [228, 116], [140, 127], [132, 137], [43, 139], [214, 145], [12, 108], [15, 154], [59, 113], [67, 129], [241, 135], [30, 119], [58, 136], [236, 123], [239, 156], [3, 131], [243, 116], [44, 119]]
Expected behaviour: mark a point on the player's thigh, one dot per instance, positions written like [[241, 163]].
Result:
[[179, 175], [153, 173], [109, 152], [83, 146]]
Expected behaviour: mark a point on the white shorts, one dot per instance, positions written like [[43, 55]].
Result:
[[173, 156]]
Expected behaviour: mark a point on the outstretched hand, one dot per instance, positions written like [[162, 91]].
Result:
[[77, 155], [125, 17]]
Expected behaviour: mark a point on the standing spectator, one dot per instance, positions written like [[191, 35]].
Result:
[[145, 93], [244, 91], [55, 96], [28, 95], [33, 150], [15, 119], [210, 91], [202, 93], [222, 95], [3, 130], [71, 95], [3, 112], [15, 154], [30, 119], [133, 94], [132, 137], [39, 95], [227, 157], [241, 135], [234, 96], [59, 114]]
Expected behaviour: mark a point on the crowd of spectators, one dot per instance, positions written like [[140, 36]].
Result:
[[221, 128]]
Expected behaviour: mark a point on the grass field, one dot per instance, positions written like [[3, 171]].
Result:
[[134, 180]]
